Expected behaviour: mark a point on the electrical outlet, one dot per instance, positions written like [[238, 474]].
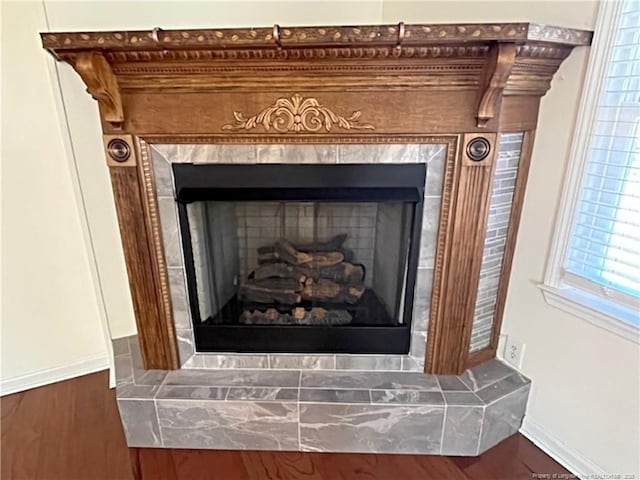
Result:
[[514, 351]]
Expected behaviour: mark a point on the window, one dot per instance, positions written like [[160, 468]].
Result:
[[594, 270]]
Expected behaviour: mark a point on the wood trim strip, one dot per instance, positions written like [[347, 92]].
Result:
[[156, 244], [346, 139], [459, 258], [159, 350], [449, 189], [512, 235], [480, 356]]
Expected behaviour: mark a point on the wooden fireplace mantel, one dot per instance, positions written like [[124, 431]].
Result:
[[335, 84]]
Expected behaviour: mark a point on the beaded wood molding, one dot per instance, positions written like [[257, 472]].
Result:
[[331, 36]]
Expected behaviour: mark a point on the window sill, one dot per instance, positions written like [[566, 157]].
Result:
[[585, 306]]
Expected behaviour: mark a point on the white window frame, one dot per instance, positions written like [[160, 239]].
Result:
[[581, 303]]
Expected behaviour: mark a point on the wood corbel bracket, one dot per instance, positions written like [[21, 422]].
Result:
[[102, 85], [502, 57]]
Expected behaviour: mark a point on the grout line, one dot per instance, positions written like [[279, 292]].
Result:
[[402, 390], [481, 400], [155, 407], [164, 380], [496, 381], [484, 411], [444, 423], [298, 406]]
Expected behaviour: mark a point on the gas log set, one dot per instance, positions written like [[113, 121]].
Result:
[[296, 279]]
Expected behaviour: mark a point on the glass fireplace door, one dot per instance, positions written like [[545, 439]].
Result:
[[296, 267]]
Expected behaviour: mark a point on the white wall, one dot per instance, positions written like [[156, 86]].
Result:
[[586, 381], [581, 399], [51, 318]]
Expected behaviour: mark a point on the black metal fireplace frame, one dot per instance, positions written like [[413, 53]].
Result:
[[223, 182]]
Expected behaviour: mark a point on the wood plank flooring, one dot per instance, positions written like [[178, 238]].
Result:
[[71, 431]]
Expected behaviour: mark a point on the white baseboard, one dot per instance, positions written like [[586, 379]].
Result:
[[573, 461], [52, 375]]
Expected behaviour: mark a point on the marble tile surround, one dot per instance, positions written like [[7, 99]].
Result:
[[432, 154], [323, 411]]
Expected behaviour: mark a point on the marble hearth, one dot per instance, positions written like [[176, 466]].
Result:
[[318, 410]]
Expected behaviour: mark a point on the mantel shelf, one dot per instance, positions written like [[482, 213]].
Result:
[[398, 35]]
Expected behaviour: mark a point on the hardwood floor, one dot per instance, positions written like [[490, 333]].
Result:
[[71, 431]]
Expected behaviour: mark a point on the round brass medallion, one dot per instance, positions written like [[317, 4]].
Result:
[[478, 149], [119, 150]]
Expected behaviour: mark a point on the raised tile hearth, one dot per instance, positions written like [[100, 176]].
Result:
[[318, 410]]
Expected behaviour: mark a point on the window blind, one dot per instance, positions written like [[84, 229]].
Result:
[[603, 256]]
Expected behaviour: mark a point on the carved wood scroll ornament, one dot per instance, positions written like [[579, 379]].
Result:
[[298, 115]]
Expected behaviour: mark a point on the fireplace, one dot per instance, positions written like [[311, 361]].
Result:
[[341, 95], [301, 258], [318, 225]]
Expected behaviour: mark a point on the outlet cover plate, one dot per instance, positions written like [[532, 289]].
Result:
[[514, 351]]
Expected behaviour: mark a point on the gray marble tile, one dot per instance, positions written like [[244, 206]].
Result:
[[297, 154], [234, 361], [371, 428], [433, 152], [452, 383], [192, 393], [194, 362], [502, 387], [400, 153], [162, 175], [436, 160], [134, 348], [140, 423], [462, 427], [410, 397], [422, 300], [170, 232], [311, 362], [120, 346], [148, 377], [136, 392], [412, 364], [418, 346], [263, 393], [321, 395], [421, 310], [462, 398], [167, 150], [234, 378], [503, 418], [212, 153], [124, 371], [429, 232], [485, 374], [186, 347], [181, 316], [229, 425], [370, 380], [369, 362], [141, 376]]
